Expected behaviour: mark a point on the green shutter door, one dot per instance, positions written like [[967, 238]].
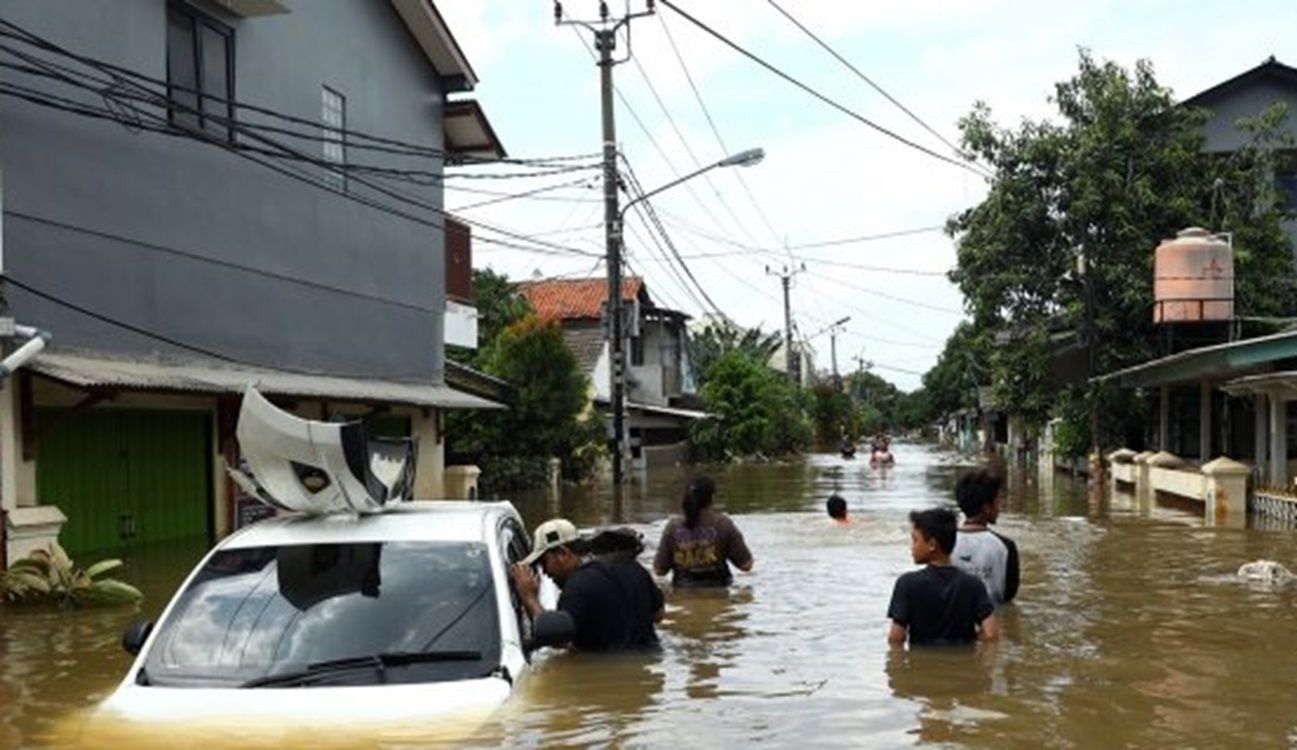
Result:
[[125, 477]]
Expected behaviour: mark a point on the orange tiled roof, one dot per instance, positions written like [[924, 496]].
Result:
[[574, 299]]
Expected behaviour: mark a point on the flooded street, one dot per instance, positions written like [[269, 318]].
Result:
[[1129, 631]]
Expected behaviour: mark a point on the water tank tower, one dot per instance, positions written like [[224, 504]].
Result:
[[1193, 279]]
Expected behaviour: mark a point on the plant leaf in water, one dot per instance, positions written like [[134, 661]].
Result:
[[109, 591], [101, 567], [50, 575]]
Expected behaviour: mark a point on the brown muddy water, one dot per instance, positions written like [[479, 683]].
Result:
[[1129, 631]]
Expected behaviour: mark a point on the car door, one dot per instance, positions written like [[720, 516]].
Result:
[[514, 546]]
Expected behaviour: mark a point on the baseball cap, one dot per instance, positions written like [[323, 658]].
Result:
[[553, 533]]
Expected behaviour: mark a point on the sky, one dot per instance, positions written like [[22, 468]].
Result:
[[826, 177]]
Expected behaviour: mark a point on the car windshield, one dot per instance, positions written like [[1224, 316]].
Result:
[[255, 613]]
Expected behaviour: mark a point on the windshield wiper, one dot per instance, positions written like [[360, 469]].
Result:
[[379, 661]]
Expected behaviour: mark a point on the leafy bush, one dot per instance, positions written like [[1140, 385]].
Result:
[[753, 409], [49, 575]]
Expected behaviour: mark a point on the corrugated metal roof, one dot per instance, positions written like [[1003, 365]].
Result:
[[571, 299], [97, 370]]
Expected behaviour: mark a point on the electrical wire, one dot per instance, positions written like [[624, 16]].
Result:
[[711, 124], [698, 164], [816, 94], [242, 150], [20, 34], [860, 74], [9, 279], [888, 295]]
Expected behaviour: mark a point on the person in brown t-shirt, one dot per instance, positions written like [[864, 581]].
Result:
[[698, 548]]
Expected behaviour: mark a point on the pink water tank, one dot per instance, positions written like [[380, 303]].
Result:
[[1193, 279]]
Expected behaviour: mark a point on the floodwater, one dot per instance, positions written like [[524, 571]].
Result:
[[1129, 631]]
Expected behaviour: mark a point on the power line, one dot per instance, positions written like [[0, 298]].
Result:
[[524, 194], [212, 260], [869, 237], [711, 123], [809, 90], [241, 150], [888, 295], [116, 73], [868, 80], [648, 135], [648, 206], [179, 344], [689, 150]]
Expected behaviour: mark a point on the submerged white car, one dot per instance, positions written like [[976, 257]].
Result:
[[404, 615]]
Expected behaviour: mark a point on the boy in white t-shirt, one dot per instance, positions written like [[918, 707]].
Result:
[[990, 556]]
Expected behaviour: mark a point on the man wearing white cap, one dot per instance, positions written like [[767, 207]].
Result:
[[612, 605]]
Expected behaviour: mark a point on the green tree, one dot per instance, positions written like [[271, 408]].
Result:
[[718, 339], [951, 384], [752, 409], [833, 413], [544, 417], [1120, 169]]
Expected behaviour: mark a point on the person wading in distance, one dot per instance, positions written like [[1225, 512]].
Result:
[[698, 547]]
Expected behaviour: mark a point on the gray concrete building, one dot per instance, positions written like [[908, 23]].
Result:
[[183, 211]]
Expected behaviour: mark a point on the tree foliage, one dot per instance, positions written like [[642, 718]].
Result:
[[546, 415], [720, 338], [753, 410], [499, 305]]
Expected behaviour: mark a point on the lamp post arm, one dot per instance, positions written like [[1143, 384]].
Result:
[[666, 187]]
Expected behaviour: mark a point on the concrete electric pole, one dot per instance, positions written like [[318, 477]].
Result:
[[605, 41], [786, 274]]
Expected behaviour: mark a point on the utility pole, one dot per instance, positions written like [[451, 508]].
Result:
[[834, 330], [1085, 269], [786, 274], [605, 42]]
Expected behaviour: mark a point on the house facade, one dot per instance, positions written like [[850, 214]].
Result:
[[662, 400], [183, 213], [1245, 96]]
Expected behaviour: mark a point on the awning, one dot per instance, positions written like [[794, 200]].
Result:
[[1264, 385], [95, 370], [1219, 361], [665, 411], [469, 135]]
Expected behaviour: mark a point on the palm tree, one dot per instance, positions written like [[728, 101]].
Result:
[[720, 338]]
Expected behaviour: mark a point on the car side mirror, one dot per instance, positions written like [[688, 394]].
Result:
[[135, 636], [552, 627]]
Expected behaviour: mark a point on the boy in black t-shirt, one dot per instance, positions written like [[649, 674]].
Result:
[[939, 604]]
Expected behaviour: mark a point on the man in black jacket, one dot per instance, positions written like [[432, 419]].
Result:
[[613, 605]]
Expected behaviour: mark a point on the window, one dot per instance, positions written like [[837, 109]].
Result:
[[333, 115], [200, 71], [259, 611], [637, 351]]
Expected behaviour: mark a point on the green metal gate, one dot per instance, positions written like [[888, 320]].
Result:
[[125, 477]]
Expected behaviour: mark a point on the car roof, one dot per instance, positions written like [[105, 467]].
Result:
[[424, 520]]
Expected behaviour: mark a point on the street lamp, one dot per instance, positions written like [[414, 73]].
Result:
[[616, 354], [741, 159]]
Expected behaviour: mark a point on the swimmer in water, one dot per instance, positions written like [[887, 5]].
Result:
[[837, 508]]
